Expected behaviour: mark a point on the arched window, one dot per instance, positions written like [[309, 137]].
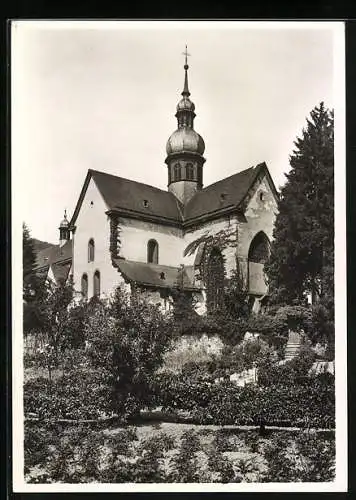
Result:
[[85, 285], [189, 169], [91, 250], [257, 256], [215, 280], [259, 248], [96, 283], [177, 172], [152, 252]]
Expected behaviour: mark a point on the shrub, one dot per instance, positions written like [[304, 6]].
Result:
[[309, 458], [80, 394], [185, 467], [312, 404]]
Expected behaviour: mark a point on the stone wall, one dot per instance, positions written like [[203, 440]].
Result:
[[260, 215]]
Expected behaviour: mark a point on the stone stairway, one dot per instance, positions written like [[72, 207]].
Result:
[[293, 346]]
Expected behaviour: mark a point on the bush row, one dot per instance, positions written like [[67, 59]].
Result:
[[77, 395], [311, 405]]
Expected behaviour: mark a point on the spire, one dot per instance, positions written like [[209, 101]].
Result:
[[186, 92]]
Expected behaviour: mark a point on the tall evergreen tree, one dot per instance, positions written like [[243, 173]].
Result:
[[29, 261], [302, 253]]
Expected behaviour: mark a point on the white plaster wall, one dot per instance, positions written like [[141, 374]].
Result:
[[135, 234], [260, 216], [92, 222]]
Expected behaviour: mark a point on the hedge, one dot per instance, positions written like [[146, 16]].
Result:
[[310, 405], [76, 396]]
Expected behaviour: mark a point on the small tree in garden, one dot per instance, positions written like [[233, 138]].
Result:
[[128, 339], [56, 317]]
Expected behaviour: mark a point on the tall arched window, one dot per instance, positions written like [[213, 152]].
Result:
[[257, 256], [85, 285], [215, 280], [91, 250], [189, 170], [96, 284], [177, 172], [152, 252]]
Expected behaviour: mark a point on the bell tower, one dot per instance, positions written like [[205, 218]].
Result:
[[185, 149]]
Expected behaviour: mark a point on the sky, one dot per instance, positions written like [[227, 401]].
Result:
[[102, 95]]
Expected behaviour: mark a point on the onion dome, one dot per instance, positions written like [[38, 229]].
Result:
[[185, 139], [185, 104]]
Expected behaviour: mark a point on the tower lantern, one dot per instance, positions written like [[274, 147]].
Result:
[[64, 233], [185, 148]]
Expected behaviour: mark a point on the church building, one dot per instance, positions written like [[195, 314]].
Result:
[[191, 237]]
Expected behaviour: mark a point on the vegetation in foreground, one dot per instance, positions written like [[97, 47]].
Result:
[[188, 455]]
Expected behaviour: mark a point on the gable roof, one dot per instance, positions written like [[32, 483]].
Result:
[[146, 274], [59, 259], [132, 197], [54, 254], [225, 194]]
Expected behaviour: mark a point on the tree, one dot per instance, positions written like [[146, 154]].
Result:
[[127, 339], [56, 317], [33, 289], [29, 262], [302, 253]]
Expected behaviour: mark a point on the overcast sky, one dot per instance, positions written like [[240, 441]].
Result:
[[103, 96]]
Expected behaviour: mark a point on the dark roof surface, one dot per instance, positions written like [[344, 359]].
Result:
[[136, 198], [61, 270], [150, 274], [54, 255], [131, 195], [226, 193]]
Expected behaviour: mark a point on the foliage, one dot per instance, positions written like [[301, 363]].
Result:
[[307, 458], [33, 288], [79, 394], [127, 339], [308, 405], [185, 465], [235, 296], [302, 252], [295, 371], [82, 454], [240, 357]]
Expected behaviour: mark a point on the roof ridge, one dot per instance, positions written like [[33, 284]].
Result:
[[92, 171], [229, 177]]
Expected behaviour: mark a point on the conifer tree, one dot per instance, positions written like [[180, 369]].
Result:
[[302, 253], [29, 261]]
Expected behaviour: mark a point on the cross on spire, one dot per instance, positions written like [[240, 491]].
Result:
[[185, 53]]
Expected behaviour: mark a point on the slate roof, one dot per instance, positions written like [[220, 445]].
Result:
[[59, 259], [146, 274], [136, 198], [133, 197], [228, 192]]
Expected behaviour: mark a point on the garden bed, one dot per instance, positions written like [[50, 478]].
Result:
[[170, 452]]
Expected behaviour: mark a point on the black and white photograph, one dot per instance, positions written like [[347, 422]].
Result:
[[178, 256]]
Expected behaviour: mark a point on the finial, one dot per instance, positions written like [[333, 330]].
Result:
[[186, 90], [186, 57], [65, 214]]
